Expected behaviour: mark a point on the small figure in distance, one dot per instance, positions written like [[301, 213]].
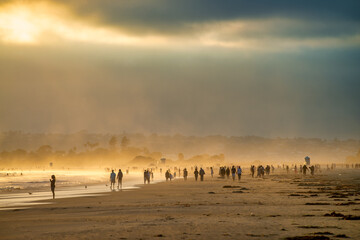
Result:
[[228, 172], [212, 172], [185, 174], [171, 176], [145, 176], [233, 171], [267, 170], [112, 179], [312, 170], [148, 176], [202, 173], [52, 184], [167, 175], [239, 172], [252, 170], [196, 173], [119, 178], [304, 168]]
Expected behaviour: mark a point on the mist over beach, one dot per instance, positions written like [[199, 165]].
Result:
[[179, 119]]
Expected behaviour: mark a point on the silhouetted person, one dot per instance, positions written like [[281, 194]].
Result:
[[233, 171], [185, 174], [222, 172], [304, 168], [196, 173], [167, 175], [119, 178], [227, 172], [52, 185], [267, 170], [312, 170], [212, 172], [202, 173], [145, 176], [112, 179], [260, 171], [252, 170]]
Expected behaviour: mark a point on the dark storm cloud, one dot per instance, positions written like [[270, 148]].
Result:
[[331, 18]]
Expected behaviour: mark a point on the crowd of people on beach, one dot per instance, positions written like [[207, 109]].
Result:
[[224, 172]]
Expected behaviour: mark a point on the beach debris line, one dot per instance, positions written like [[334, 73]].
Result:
[[308, 238], [345, 217]]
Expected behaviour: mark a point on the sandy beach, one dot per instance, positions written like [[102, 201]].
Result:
[[278, 207]]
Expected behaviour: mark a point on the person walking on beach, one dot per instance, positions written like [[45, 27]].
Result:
[[212, 172], [304, 168], [52, 185], [147, 176], [112, 179], [252, 170], [196, 173], [202, 173], [167, 175], [119, 178], [222, 172], [227, 172], [267, 170], [239, 172], [312, 170], [233, 171], [185, 174]]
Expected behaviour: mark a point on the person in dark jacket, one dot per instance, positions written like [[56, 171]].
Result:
[[119, 178], [202, 173], [196, 173], [185, 174]]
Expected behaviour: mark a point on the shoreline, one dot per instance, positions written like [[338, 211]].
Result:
[[27, 198]]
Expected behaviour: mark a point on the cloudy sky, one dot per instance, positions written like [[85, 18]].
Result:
[[196, 67]]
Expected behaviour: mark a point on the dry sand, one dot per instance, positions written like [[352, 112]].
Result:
[[277, 207]]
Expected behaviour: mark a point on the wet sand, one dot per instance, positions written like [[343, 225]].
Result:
[[278, 207]]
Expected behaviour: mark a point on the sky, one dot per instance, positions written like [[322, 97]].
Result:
[[195, 67]]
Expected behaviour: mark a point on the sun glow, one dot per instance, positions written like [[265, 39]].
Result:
[[45, 22], [16, 25]]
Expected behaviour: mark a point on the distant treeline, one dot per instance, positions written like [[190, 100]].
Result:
[[90, 148]]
